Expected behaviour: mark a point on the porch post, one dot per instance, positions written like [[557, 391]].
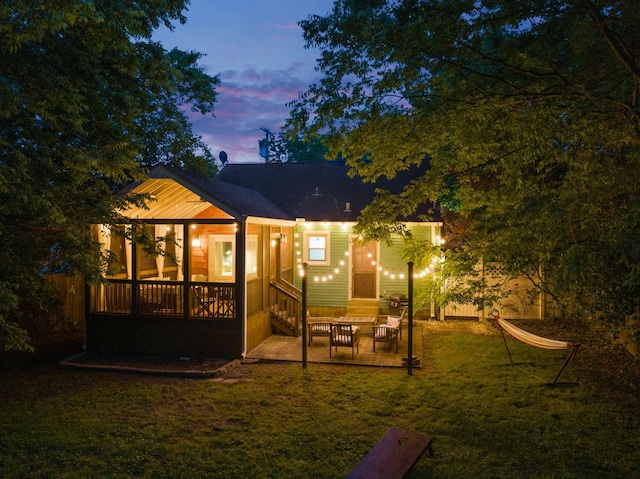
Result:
[[305, 267]]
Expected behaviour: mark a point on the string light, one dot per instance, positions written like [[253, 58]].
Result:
[[389, 273]]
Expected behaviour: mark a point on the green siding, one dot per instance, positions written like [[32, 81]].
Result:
[[391, 258], [335, 291], [332, 292], [393, 265]]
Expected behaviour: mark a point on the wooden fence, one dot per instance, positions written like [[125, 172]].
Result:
[[71, 294]]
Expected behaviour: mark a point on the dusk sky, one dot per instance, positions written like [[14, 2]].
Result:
[[256, 47]]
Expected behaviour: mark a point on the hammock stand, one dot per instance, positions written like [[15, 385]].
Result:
[[537, 341]]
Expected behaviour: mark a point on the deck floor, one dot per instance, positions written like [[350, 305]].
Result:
[[285, 348]]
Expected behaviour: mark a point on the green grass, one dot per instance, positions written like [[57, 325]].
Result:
[[488, 420]]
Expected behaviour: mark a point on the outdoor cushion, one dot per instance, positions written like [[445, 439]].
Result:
[[393, 321], [385, 331]]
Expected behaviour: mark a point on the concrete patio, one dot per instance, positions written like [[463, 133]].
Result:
[[285, 348]]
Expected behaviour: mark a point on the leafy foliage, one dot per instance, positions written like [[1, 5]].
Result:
[[292, 148], [87, 102], [527, 115]]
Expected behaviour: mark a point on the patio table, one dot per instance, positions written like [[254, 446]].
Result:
[[365, 322]]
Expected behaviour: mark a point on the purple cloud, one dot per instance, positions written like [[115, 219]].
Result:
[[247, 101], [258, 50]]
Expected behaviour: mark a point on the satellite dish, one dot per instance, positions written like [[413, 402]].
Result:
[[223, 157]]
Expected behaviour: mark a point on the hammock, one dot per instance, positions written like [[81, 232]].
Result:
[[537, 341]]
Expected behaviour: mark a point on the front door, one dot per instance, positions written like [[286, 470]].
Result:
[[364, 267]]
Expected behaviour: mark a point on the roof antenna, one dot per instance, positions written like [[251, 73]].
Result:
[[317, 193]]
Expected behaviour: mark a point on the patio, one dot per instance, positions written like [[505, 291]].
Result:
[[285, 348]]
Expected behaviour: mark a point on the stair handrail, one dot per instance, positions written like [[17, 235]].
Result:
[[295, 297], [287, 288]]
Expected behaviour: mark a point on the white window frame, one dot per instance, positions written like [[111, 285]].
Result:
[[212, 260], [308, 235]]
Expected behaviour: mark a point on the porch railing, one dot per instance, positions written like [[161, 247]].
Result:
[[285, 306], [165, 298]]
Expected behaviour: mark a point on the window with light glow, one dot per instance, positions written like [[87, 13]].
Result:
[[316, 249], [221, 258], [252, 256]]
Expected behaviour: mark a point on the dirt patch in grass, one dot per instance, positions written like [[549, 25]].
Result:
[[458, 327], [154, 365]]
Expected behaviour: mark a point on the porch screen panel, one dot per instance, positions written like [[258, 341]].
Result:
[[167, 266]]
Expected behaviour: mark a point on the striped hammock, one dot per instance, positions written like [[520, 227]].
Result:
[[532, 339], [537, 341]]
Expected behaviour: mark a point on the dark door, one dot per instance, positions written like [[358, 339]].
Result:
[[364, 266]]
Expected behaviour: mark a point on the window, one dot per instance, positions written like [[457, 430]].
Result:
[[166, 266], [317, 248], [252, 256], [221, 258]]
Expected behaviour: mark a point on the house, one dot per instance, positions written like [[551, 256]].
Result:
[[235, 245]]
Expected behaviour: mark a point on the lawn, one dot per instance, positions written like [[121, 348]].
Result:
[[271, 420]]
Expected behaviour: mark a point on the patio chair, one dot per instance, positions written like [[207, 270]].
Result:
[[387, 333], [318, 326], [204, 300], [385, 318], [344, 335]]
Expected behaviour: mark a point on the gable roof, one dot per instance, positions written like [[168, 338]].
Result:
[[185, 195], [232, 198], [318, 191]]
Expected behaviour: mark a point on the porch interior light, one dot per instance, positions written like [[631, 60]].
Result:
[[195, 242]]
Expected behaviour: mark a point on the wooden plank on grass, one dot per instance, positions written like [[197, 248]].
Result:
[[393, 456]]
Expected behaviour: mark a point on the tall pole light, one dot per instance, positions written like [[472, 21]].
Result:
[[410, 345], [305, 266]]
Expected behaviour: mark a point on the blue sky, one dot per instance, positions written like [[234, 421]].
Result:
[[257, 49]]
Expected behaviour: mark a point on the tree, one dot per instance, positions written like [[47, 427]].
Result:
[[292, 148], [527, 115], [87, 102]]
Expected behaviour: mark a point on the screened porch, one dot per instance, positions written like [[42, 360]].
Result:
[[193, 277]]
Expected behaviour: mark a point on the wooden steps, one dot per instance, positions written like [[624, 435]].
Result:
[[361, 308]]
